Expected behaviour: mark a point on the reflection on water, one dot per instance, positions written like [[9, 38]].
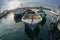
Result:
[[9, 19], [32, 34], [10, 30], [54, 27], [6, 22]]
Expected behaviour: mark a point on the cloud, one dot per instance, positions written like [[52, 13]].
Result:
[[11, 4]]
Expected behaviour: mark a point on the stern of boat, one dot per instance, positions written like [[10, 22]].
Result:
[[32, 27]]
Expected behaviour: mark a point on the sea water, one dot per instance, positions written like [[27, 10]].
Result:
[[12, 30]]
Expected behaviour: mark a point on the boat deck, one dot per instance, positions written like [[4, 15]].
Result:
[[34, 18]]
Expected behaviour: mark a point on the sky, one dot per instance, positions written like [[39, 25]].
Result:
[[12, 4]]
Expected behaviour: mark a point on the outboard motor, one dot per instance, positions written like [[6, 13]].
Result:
[[17, 17]]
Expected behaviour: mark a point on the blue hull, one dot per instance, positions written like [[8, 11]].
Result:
[[17, 16], [32, 26]]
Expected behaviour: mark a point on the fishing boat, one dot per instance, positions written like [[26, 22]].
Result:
[[58, 26], [42, 14], [17, 17], [19, 13], [31, 20], [59, 20]]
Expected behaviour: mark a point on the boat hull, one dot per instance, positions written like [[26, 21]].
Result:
[[32, 27], [43, 16]]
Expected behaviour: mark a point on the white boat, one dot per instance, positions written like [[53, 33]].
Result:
[[58, 26], [31, 20]]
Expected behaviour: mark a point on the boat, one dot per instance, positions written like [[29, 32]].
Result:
[[58, 26], [31, 20], [17, 17], [18, 14], [42, 14], [55, 20]]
